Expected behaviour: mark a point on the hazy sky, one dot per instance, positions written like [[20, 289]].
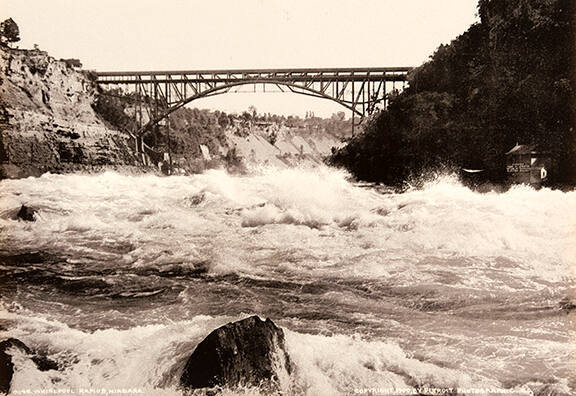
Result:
[[191, 34]]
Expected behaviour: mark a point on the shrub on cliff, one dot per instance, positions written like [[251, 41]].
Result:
[[110, 106]]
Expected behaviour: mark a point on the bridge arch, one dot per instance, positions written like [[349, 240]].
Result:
[[164, 92], [294, 88]]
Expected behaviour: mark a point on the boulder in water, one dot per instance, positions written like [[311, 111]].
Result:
[[248, 352], [7, 367], [27, 213]]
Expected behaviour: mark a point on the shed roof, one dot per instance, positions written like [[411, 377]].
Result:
[[520, 149]]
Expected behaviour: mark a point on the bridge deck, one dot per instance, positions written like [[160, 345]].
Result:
[[226, 76]]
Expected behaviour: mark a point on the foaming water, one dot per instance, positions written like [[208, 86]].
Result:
[[121, 276]]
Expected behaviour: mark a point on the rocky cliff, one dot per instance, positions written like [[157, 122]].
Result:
[[47, 123], [281, 146], [204, 138], [54, 119]]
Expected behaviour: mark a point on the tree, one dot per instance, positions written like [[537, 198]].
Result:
[[340, 116], [9, 32], [72, 62], [223, 120], [111, 107], [246, 116]]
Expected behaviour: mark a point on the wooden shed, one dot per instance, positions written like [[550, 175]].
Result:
[[525, 164]]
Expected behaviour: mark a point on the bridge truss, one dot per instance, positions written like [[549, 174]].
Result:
[[159, 93]]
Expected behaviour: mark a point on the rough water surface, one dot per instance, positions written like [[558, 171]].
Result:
[[121, 276]]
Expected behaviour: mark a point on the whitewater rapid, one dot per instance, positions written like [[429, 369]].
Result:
[[121, 276]]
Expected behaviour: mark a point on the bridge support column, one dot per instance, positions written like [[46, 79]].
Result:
[[168, 143]]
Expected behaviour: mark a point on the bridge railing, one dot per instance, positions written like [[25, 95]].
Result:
[[342, 74]]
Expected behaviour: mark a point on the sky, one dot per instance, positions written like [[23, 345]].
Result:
[[219, 34]]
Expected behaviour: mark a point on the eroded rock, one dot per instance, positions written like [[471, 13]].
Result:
[[248, 352]]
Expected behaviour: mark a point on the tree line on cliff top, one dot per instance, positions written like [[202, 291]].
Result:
[[508, 79]]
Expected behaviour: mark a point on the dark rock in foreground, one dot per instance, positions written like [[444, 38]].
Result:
[[27, 213], [247, 352], [7, 367]]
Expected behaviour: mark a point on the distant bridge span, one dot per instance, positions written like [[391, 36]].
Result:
[[159, 93]]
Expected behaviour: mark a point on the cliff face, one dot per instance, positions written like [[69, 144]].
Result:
[[52, 119], [251, 145], [280, 146], [47, 123], [200, 139]]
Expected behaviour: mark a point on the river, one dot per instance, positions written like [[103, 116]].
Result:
[[121, 276]]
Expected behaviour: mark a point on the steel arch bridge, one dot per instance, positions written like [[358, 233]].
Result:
[[159, 93]]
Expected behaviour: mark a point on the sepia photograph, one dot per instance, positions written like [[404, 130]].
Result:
[[288, 197]]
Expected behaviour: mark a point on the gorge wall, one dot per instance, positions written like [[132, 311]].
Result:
[[47, 123], [508, 79], [53, 118], [198, 141]]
